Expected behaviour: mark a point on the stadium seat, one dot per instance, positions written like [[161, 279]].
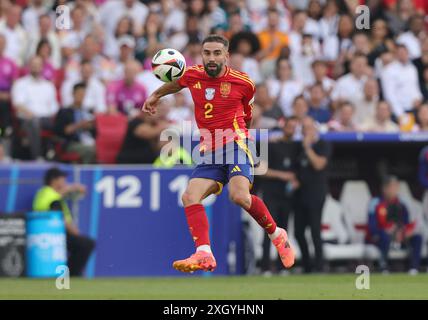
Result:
[[111, 130], [333, 228], [55, 148], [355, 198]]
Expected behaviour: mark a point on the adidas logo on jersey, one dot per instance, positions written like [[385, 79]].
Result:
[[197, 85]]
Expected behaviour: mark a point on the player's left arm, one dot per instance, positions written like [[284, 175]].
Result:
[[248, 102]]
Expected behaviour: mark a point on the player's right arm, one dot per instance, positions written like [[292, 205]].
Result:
[[152, 101]]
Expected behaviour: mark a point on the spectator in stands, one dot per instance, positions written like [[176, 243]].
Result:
[[271, 114], [314, 11], [301, 59], [151, 40], [399, 14], [9, 72], [16, 37], [45, 32], [124, 28], [198, 9], [390, 225], [422, 119], [312, 177], [216, 13], [365, 106], [280, 183], [272, 40], [381, 121], [126, 52], [337, 48], [112, 11], [103, 67], [180, 110], [300, 112], [411, 39], [127, 95], [259, 15], [360, 43], [44, 51], [330, 20], [192, 30], [53, 196], [297, 31], [192, 52], [283, 88], [319, 69], [421, 65], [343, 119], [352, 84], [174, 23], [400, 83], [95, 97], [31, 15], [318, 109], [141, 144], [72, 39], [247, 45], [304, 48], [380, 40], [35, 101], [90, 11], [148, 79], [76, 126]]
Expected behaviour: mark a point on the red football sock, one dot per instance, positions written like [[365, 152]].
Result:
[[261, 214], [198, 224]]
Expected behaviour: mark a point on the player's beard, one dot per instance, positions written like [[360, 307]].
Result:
[[213, 72]]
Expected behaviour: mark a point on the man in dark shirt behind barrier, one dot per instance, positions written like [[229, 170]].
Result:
[[280, 182], [51, 198], [310, 196], [142, 137]]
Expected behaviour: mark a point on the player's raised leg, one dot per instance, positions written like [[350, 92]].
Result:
[[197, 190], [239, 193]]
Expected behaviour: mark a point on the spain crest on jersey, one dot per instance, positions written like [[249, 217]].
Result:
[[225, 88]]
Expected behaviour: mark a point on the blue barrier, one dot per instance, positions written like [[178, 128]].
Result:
[[46, 244], [135, 214]]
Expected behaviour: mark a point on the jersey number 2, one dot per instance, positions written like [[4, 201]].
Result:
[[208, 109]]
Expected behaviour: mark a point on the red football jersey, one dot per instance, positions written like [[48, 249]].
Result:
[[223, 103]]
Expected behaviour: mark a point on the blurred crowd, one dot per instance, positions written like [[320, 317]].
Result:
[[64, 63]]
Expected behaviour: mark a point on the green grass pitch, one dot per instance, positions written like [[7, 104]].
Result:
[[396, 286]]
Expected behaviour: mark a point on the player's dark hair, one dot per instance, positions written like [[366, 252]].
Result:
[[216, 38], [79, 85]]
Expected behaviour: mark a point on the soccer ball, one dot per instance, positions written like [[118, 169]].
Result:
[[168, 65]]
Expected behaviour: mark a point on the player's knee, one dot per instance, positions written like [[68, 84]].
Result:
[[189, 198], [240, 198]]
